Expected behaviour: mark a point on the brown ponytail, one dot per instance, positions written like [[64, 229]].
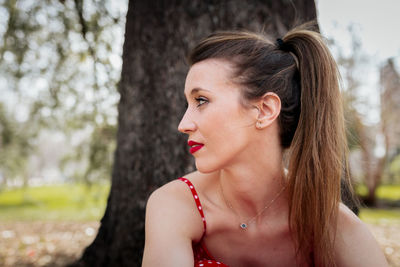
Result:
[[318, 148], [303, 73]]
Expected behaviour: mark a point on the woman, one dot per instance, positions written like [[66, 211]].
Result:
[[250, 102]]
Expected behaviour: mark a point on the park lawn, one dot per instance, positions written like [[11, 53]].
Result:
[[380, 216], [377, 215], [68, 202], [77, 202], [389, 192]]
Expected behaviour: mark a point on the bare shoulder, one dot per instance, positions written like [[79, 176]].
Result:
[[173, 203], [347, 220], [172, 224], [354, 243]]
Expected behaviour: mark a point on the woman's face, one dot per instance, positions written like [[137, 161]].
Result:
[[220, 128]]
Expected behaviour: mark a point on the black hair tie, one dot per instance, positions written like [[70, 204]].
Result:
[[282, 45], [286, 48]]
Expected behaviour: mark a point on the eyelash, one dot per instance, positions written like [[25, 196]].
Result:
[[199, 99]]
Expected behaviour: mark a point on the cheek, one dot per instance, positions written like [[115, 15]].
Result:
[[226, 127], [225, 139]]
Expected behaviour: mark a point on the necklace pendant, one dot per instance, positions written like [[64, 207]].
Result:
[[243, 226]]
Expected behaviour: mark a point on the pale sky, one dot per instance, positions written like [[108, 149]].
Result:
[[377, 23]]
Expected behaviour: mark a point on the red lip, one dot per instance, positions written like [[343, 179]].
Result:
[[194, 146]]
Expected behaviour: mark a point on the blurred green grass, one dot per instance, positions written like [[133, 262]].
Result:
[[68, 202], [380, 215], [390, 192], [77, 202]]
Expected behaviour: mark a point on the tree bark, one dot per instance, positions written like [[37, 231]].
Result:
[[150, 151]]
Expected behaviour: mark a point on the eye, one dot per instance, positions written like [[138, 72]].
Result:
[[201, 101]]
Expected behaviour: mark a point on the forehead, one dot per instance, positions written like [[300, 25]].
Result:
[[210, 74]]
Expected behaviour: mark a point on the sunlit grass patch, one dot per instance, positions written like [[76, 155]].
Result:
[[378, 216], [390, 215], [390, 192], [69, 202]]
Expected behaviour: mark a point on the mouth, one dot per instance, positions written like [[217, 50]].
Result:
[[194, 146]]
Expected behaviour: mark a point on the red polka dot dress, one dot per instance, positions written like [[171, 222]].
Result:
[[201, 255]]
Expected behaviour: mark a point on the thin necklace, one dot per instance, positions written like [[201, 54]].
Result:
[[244, 225]]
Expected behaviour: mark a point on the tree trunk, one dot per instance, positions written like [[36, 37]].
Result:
[[375, 178], [150, 151]]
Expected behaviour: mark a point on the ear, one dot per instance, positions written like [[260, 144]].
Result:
[[269, 108]]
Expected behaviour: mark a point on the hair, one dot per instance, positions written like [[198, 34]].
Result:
[[300, 69]]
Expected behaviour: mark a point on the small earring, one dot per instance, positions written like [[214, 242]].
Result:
[[258, 124]]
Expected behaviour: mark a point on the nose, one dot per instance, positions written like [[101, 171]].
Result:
[[186, 125]]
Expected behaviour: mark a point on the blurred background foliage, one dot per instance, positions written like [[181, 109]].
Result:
[[60, 63]]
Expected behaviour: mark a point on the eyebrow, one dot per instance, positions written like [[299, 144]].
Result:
[[197, 89]]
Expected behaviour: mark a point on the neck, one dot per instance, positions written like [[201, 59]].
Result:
[[249, 188]]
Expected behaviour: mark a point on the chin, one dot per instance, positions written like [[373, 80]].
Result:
[[204, 169], [208, 166]]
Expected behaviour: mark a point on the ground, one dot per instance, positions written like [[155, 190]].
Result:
[[58, 243], [388, 236], [44, 243]]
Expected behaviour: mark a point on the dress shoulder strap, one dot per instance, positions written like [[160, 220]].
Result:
[[196, 199]]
